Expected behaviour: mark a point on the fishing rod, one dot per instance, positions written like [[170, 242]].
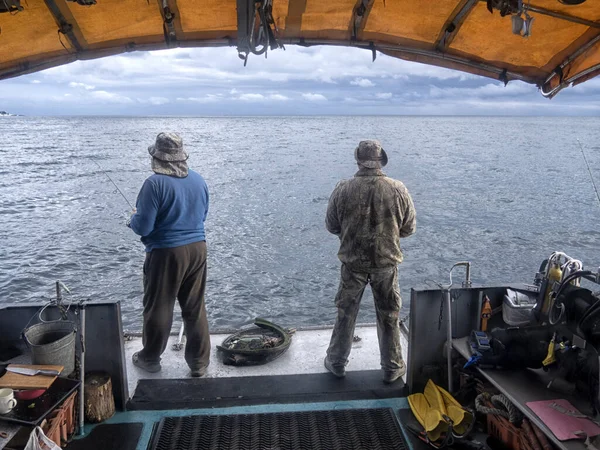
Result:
[[589, 170], [111, 180]]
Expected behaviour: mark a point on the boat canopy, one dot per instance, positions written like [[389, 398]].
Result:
[[549, 43]]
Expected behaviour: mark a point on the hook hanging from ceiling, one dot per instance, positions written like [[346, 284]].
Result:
[[256, 28]]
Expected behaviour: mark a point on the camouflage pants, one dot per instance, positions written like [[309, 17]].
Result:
[[386, 294]]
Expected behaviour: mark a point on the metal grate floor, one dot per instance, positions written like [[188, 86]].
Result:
[[311, 430]]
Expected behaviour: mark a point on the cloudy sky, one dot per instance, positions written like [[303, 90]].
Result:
[[297, 81]]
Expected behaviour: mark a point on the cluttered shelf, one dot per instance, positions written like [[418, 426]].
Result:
[[525, 386]]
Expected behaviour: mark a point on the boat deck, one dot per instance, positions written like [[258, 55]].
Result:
[[305, 356], [295, 383]]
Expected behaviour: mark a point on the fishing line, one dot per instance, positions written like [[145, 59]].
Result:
[[111, 180], [589, 170]]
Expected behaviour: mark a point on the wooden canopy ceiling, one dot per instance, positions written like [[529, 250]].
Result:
[[467, 35]]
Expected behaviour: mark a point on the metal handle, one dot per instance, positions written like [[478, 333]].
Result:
[[448, 300], [49, 372]]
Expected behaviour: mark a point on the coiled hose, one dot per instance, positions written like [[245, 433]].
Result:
[[503, 407]]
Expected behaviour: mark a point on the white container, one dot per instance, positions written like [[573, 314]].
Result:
[[517, 308]]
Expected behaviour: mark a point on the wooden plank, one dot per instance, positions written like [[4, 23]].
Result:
[[17, 381]]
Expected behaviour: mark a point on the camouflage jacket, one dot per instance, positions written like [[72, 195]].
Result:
[[370, 213]]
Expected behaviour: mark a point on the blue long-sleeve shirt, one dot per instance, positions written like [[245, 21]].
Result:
[[170, 211]]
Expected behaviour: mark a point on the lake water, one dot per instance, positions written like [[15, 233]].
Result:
[[502, 193]]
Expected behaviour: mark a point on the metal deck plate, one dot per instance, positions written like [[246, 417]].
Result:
[[333, 429]]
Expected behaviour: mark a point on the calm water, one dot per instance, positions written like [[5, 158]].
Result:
[[501, 192]]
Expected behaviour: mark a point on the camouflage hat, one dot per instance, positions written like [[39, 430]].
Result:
[[370, 154], [169, 148]]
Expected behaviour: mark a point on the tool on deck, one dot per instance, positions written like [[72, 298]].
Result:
[[33, 372]]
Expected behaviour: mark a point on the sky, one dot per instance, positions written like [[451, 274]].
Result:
[[297, 81]]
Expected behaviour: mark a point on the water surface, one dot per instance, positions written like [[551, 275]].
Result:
[[502, 193]]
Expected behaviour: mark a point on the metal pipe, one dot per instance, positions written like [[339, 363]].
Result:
[[562, 16], [584, 73], [82, 371], [467, 264], [573, 56], [453, 25], [58, 293], [448, 299], [414, 51]]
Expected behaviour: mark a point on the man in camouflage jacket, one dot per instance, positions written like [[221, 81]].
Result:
[[369, 213]]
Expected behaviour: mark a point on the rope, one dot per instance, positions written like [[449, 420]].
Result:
[[509, 411]]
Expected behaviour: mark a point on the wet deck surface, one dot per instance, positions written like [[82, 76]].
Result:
[[305, 356]]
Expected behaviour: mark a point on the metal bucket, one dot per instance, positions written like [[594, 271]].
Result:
[[52, 343]]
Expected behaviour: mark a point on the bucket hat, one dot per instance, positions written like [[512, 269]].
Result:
[[370, 154], [168, 148]]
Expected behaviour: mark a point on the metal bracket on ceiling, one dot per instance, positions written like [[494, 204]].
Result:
[[245, 9], [10, 6], [358, 17], [504, 77], [64, 27], [373, 51], [169, 25], [559, 71]]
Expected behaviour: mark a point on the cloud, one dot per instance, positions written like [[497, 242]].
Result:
[[362, 82], [262, 98], [486, 91], [209, 98], [252, 97], [327, 80], [314, 97], [158, 100], [81, 85], [110, 97]]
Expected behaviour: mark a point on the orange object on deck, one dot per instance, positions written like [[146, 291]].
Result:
[[486, 313]]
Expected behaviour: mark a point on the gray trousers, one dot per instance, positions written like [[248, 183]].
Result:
[[176, 274], [386, 294]]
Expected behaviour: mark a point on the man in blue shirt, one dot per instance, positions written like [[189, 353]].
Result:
[[170, 212]]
